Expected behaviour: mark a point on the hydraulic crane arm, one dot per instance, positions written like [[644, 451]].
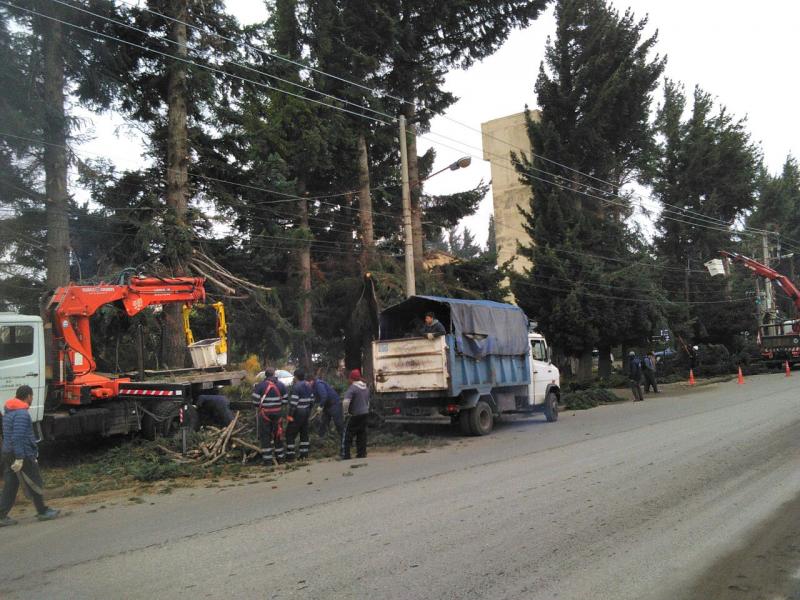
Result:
[[778, 279], [71, 307]]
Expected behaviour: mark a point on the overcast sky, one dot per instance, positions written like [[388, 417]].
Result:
[[743, 53]]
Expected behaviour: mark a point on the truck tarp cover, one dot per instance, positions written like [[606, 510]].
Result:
[[480, 327]]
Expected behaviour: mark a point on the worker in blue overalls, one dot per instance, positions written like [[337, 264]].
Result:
[[329, 404], [301, 400]]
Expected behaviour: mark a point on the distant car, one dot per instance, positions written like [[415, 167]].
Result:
[[283, 376], [667, 352]]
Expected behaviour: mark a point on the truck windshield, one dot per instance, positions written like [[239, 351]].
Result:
[[538, 350], [16, 341]]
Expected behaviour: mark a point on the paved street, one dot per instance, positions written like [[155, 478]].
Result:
[[692, 496]]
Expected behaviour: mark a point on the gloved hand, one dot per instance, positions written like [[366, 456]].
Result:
[[430, 336], [16, 466]]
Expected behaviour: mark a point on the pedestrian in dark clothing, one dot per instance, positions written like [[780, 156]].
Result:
[[19, 459], [649, 372], [270, 397], [432, 328], [301, 400], [327, 400], [635, 376], [356, 400]]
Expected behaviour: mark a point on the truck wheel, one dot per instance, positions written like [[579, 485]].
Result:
[[165, 420], [551, 407], [481, 419]]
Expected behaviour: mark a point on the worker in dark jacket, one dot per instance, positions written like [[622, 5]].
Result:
[[635, 376], [328, 401], [19, 458], [270, 397], [356, 403], [649, 373], [432, 327], [301, 401]]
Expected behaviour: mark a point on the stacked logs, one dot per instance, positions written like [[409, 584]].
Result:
[[219, 443]]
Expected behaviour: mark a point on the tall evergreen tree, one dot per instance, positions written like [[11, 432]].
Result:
[[50, 55], [430, 39], [706, 178], [594, 89]]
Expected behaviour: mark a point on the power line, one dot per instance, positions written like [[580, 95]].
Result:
[[239, 64], [193, 63]]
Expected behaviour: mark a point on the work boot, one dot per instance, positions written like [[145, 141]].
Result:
[[48, 515], [6, 521]]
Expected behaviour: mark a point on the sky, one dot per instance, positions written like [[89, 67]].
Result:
[[743, 53]]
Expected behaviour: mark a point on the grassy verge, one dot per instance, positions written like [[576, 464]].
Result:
[[87, 467]]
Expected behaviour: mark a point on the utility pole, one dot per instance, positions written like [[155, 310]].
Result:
[[767, 285], [411, 285]]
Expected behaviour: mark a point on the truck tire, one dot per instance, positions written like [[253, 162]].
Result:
[[481, 419], [551, 407], [165, 420]]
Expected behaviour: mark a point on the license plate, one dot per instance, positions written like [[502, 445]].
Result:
[[412, 395]]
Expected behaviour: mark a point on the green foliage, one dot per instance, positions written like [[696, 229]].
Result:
[[708, 165], [589, 398], [594, 90]]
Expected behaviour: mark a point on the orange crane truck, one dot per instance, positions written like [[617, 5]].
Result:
[[53, 355]]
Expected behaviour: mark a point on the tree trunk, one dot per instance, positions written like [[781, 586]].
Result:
[[416, 191], [365, 202], [604, 363], [585, 366], [305, 284], [177, 177], [55, 155]]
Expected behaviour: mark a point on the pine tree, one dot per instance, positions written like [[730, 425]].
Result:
[[705, 178], [48, 60], [431, 38], [594, 89]]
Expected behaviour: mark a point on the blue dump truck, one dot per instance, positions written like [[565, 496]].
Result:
[[488, 363]]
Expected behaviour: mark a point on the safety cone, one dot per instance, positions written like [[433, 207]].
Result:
[[740, 379], [691, 377], [788, 369]]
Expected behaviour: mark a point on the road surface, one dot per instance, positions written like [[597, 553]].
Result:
[[692, 496]]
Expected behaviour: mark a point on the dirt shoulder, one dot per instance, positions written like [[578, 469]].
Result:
[[97, 471]]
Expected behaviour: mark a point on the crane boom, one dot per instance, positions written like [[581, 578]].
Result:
[[71, 306], [783, 282]]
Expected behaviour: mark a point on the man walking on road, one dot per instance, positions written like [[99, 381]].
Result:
[[269, 396], [19, 459], [356, 399], [301, 398], [635, 376], [649, 371], [329, 402]]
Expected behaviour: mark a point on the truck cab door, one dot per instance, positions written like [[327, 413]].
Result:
[[22, 362], [541, 371]]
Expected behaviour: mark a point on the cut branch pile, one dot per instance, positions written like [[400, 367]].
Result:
[[219, 443]]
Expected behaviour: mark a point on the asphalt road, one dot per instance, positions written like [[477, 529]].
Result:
[[692, 496]]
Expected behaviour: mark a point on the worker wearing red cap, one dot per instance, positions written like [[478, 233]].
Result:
[[356, 407]]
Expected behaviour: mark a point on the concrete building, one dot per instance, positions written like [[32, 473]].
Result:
[[501, 137]]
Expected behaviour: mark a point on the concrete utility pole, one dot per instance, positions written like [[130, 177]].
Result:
[[411, 284], [770, 308]]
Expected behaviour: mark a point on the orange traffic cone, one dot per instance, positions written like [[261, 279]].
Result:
[[788, 369], [691, 377], [740, 379]]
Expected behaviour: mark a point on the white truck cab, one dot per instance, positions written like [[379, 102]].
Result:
[[545, 376], [22, 359]]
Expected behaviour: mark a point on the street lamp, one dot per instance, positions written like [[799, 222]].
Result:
[[461, 163]]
